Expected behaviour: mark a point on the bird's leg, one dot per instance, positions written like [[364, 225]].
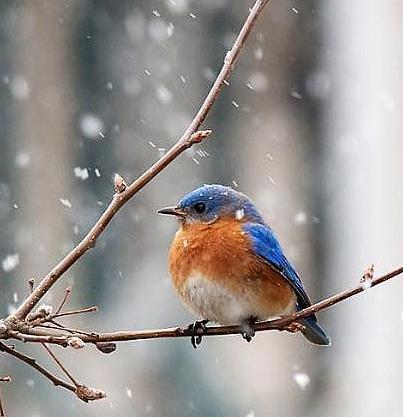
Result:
[[248, 327], [196, 330]]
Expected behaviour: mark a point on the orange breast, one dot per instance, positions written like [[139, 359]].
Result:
[[222, 252]]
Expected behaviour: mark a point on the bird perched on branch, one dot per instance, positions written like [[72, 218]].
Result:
[[228, 267]]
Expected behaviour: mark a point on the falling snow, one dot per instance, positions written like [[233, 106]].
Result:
[[240, 214], [300, 218], [163, 94], [208, 74], [91, 126], [10, 262], [170, 29], [65, 202], [22, 159], [258, 54], [296, 94], [81, 173], [302, 380], [178, 6], [258, 82], [19, 88], [158, 30]]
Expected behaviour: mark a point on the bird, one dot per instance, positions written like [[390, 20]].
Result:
[[227, 265]]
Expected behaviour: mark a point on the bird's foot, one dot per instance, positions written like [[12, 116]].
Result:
[[248, 328], [197, 329], [294, 327]]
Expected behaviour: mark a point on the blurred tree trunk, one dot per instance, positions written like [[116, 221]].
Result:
[[363, 165], [44, 135], [39, 164], [8, 159]]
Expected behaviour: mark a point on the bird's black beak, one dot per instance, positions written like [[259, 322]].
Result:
[[173, 211]]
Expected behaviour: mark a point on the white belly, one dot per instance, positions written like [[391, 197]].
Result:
[[209, 300]]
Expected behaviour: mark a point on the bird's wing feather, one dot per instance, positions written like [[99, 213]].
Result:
[[267, 246]]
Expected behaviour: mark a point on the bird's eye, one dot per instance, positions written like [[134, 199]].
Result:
[[199, 207]]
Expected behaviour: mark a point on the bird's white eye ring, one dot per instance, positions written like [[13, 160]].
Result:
[[199, 207]]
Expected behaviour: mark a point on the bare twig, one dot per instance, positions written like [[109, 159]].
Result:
[[67, 293], [31, 284], [32, 362], [81, 391], [91, 309], [2, 413], [60, 365], [3, 379], [283, 323], [58, 326], [188, 139]]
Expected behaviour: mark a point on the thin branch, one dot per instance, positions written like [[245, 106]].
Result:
[[31, 284], [36, 335], [188, 139], [58, 326], [3, 379], [67, 293], [32, 362], [81, 391], [60, 365], [2, 412], [74, 312]]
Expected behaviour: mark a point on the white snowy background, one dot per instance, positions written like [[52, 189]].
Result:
[[309, 127]]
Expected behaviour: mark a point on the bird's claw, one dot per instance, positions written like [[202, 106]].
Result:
[[294, 327], [249, 330], [197, 329]]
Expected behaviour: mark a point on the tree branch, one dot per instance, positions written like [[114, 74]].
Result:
[[188, 139], [81, 391], [281, 324], [32, 362], [3, 379], [60, 365]]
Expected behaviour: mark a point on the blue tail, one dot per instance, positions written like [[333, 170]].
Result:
[[314, 332]]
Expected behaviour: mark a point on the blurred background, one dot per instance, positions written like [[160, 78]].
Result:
[[309, 128]]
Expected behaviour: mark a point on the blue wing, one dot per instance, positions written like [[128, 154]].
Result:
[[266, 245]]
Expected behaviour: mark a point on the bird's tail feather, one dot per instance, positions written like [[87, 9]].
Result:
[[314, 332]]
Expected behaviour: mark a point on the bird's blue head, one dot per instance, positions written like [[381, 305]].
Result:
[[213, 202]]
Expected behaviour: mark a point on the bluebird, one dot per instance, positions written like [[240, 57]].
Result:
[[228, 267]]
